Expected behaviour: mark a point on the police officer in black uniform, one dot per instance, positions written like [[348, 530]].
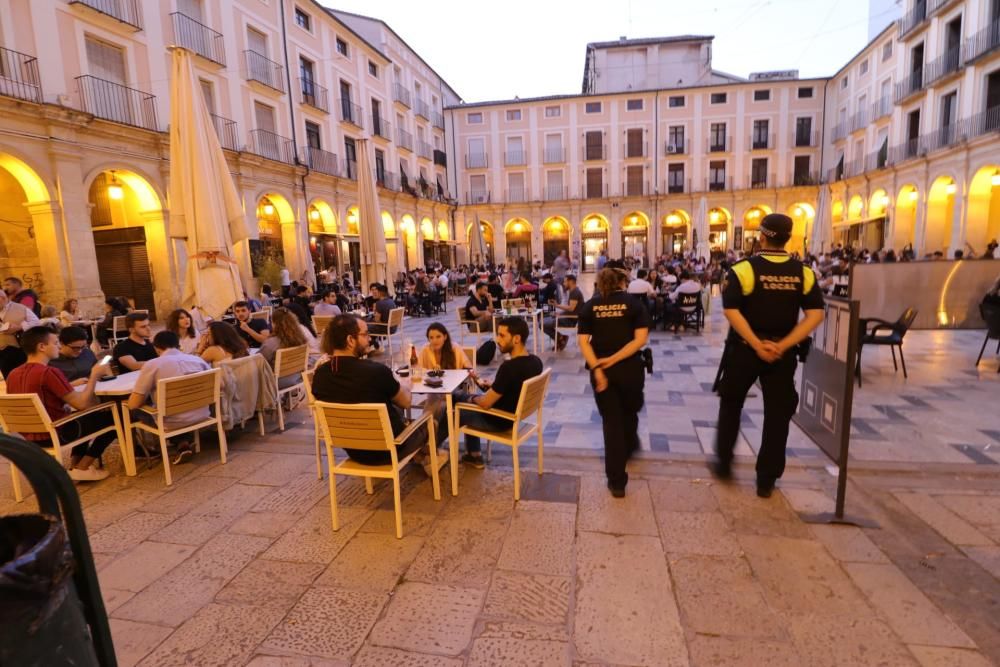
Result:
[[761, 298], [613, 329]]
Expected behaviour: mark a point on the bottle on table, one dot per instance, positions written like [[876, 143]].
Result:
[[416, 372]]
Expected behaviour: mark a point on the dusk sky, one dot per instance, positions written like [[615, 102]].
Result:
[[531, 48]]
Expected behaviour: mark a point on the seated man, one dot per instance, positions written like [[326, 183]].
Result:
[[347, 378], [549, 290], [383, 306], [169, 363], [252, 331], [327, 306], [41, 345], [479, 307], [14, 318], [75, 359], [131, 353], [505, 390], [525, 287], [684, 299], [572, 307]]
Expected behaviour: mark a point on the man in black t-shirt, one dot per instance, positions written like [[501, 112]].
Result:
[[505, 390], [347, 378], [479, 307], [253, 332], [134, 351], [382, 308]]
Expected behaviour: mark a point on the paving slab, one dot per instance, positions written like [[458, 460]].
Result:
[[748, 514], [846, 641], [682, 495], [703, 533], [459, 552], [848, 543], [127, 533], [203, 521], [908, 611], [944, 521], [936, 656], [133, 641], [296, 497], [371, 562], [143, 565], [378, 656], [625, 611], [540, 542], [602, 513], [715, 651], [428, 618], [531, 598], [979, 509], [327, 623], [313, 540], [987, 557], [269, 583], [264, 524], [519, 645]]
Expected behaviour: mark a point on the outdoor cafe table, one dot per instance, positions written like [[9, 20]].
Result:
[[536, 323], [451, 381]]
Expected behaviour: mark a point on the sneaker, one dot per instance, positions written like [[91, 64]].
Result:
[[442, 459], [616, 491], [475, 460], [185, 452], [87, 475], [721, 471], [765, 489]]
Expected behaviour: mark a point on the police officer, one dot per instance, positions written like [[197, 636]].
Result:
[[761, 298], [613, 329]]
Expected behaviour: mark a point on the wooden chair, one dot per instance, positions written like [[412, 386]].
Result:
[[178, 395], [264, 315], [530, 402], [289, 362], [470, 353], [119, 331], [394, 330], [24, 414], [463, 322], [320, 323], [869, 335], [366, 426], [307, 381]]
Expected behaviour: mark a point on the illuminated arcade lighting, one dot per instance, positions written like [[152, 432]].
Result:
[[797, 211], [913, 195], [634, 219], [713, 216], [995, 180], [673, 219], [950, 188], [517, 227], [314, 214], [268, 209], [312, 239], [115, 190]]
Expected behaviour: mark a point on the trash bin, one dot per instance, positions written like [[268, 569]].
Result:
[[41, 618]]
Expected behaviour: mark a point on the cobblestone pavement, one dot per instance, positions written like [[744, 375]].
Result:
[[237, 564]]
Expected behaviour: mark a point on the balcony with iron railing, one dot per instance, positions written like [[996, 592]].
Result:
[[594, 190], [115, 102], [762, 181], [913, 19], [314, 95], [720, 184], [404, 139], [381, 128], [635, 149], [437, 120], [227, 131], [387, 180], [675, 185], [805, 178], [401, 94], [199, 38], [760, 142], [839, 131], [515, 158], [517, 195], [805, 139], [476, 161], [835, 174], [938, 6], [350, 169], [19, 76], [351, 113], [424, 150], [859, 121], [556, 192], [322, 161], [943, 137], [128, 12], [719, 144], [944, 67], [271, 146], [882, 108], [911, 84], [421, 108], [554, 155], [983, 42], [878, 160], [263, 70], [677, 147], [854, 167], [593, 151], [636, 189], [477, 197], [980, 124], [908, 150]]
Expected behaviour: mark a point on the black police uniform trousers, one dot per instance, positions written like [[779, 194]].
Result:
[[743, 367], [619, 406]]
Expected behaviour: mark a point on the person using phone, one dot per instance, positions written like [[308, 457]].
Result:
[[75, 357]]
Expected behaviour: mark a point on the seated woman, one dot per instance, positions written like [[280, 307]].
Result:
[[221, 343], [113, 307], [441, 354], [286, 331], [182, 324], [70, 313]]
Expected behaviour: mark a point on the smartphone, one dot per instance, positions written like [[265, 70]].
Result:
[[106, 359]]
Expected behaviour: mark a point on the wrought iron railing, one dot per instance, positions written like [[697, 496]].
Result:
[[554, 155], [421, 108], [476, 161], [980, 124], [351, 113], [272, 146], [127, 11], [437, 119], [517, 195], [634, 149], [718, 144], [913, 18], [882, 108], [515, 158], [911, 83], [676, 147], [404, 139], [985, 41], [198, 37], [19, 76], [226, 129], [381, 127], [425, 150], [401, 94], [313, 94], [263, 70], [556, 192], [322, 161], [760, 141], [477, 197], [594, 151], [115, 102], [948, 63]]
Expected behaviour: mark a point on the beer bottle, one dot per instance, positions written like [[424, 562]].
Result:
[[416, 373]]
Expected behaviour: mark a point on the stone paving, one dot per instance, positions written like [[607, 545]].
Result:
[[237, 564]]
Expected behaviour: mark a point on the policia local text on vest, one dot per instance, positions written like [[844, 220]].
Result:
[[761, 298]]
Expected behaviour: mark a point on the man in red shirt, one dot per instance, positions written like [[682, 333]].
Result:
[[41, 345]]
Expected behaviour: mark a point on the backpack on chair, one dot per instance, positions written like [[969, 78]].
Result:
[[485, 353]]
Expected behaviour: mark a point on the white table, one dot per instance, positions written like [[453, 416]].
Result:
[[451, 381], [536, 323]]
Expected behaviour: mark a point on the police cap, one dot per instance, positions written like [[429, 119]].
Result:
[[777, 227]]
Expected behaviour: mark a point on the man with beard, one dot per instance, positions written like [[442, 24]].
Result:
[[505, 390], [347, 378]]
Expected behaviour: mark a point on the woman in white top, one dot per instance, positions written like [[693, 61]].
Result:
[[182, 324], [70, 313], [286, 331]]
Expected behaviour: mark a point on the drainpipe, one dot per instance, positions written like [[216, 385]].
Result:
[[654, 228]]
